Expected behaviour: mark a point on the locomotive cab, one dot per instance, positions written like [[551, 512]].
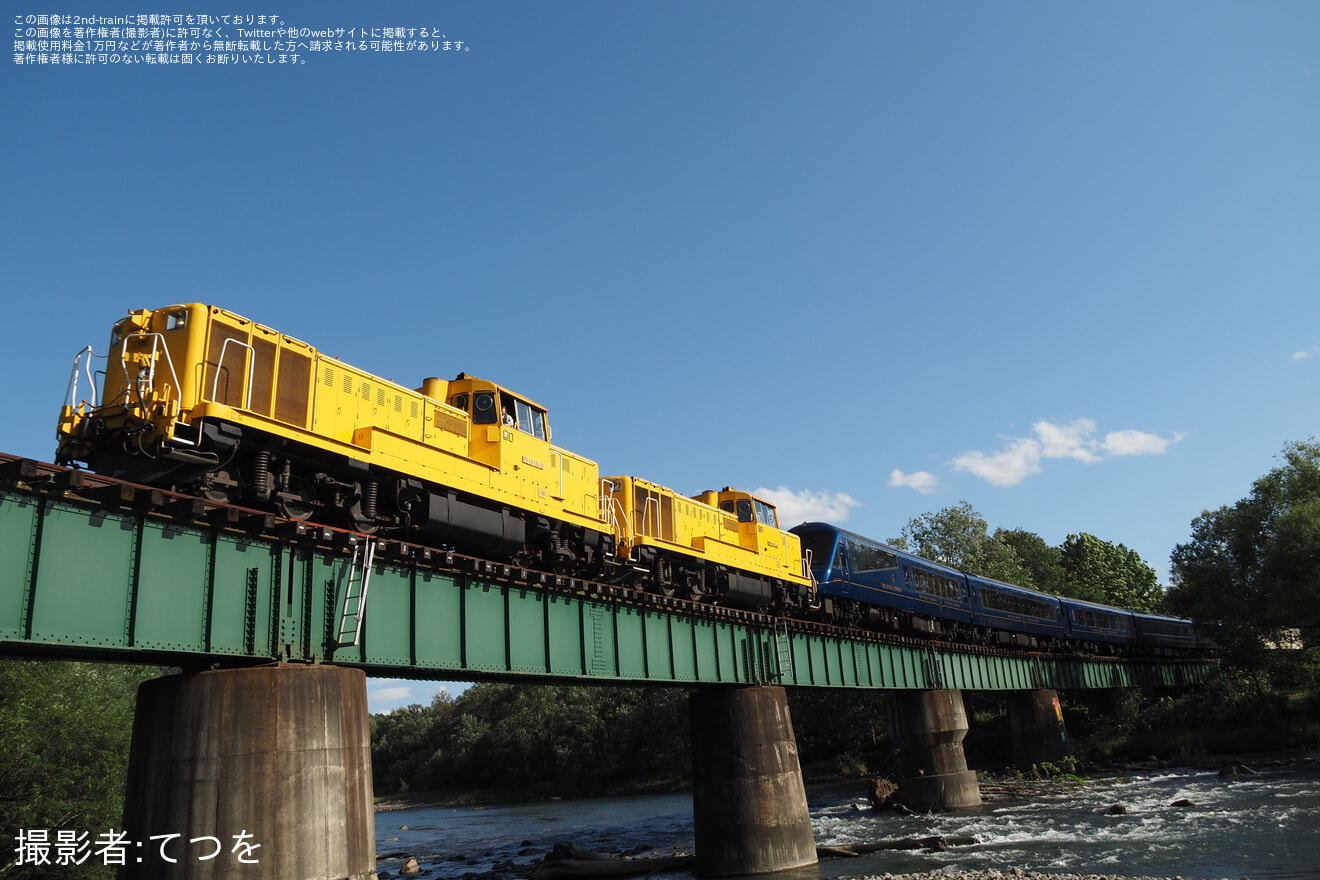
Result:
[[509, 432], [758, 521]]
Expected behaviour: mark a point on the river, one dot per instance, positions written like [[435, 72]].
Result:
[[1262, 827]]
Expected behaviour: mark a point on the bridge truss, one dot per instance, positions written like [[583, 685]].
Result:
[[92, 568]]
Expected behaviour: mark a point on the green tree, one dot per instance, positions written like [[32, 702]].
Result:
[[1254, 567], [959, 537], [65, 732], [1112, 574], [1043, 561], [568, 738]]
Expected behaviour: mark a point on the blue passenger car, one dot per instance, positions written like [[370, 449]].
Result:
[[1091, 622], [1002, 606], [1164, 632], [850, 567]]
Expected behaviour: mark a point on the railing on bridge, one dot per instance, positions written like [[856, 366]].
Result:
[[137, 575]]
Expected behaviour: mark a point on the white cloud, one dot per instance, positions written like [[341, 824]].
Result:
[[808, 506], [1008, 467], [923, 481], [391, 694], [1022, 456], [1067, 441], [1137, 443], [1308, 353]]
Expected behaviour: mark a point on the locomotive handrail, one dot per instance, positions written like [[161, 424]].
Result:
[[157, 343], [220, 365], [82, 359], [646, 515], [809, 574], [611, 508]]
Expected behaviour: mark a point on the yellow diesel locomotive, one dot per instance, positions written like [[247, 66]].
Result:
[[198, 399]]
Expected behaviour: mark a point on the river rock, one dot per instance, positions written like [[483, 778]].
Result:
[[411, 867], [1183, 802], [1116, 810], [881, 793]]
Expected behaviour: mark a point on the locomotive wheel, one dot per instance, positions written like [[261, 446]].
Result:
[[296, 509], [358, 522], [219, 486]]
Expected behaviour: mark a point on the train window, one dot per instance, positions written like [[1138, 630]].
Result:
[[745, 511], [936, 585], [765, 514], [459, 401], [867, 557], [1017, 604], [538, 425], [840, 559], [484, 408]]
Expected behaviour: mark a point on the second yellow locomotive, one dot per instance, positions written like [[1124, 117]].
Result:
[[199, 399]]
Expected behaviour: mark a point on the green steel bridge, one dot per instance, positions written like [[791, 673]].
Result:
[[92, 568]]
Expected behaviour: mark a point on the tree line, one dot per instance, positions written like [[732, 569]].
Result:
[[564, 740], [1082, 567]]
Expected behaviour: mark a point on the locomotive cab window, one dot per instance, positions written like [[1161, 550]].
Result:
[[484, 411], [765, 514], [527, 418], [742, 507]]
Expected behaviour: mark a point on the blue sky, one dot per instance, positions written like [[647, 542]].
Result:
[[1061, 261]]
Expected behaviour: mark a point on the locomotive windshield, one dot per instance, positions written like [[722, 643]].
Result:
[[821, 546], [501, 407], [752, 510]]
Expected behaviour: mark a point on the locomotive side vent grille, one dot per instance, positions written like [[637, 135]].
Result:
[[263, 375], [451, 423], [291, 389]]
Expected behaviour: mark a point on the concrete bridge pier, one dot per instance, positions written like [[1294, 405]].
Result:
[[930, 726], [748, 801], [276, 758], [1035, 722]]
